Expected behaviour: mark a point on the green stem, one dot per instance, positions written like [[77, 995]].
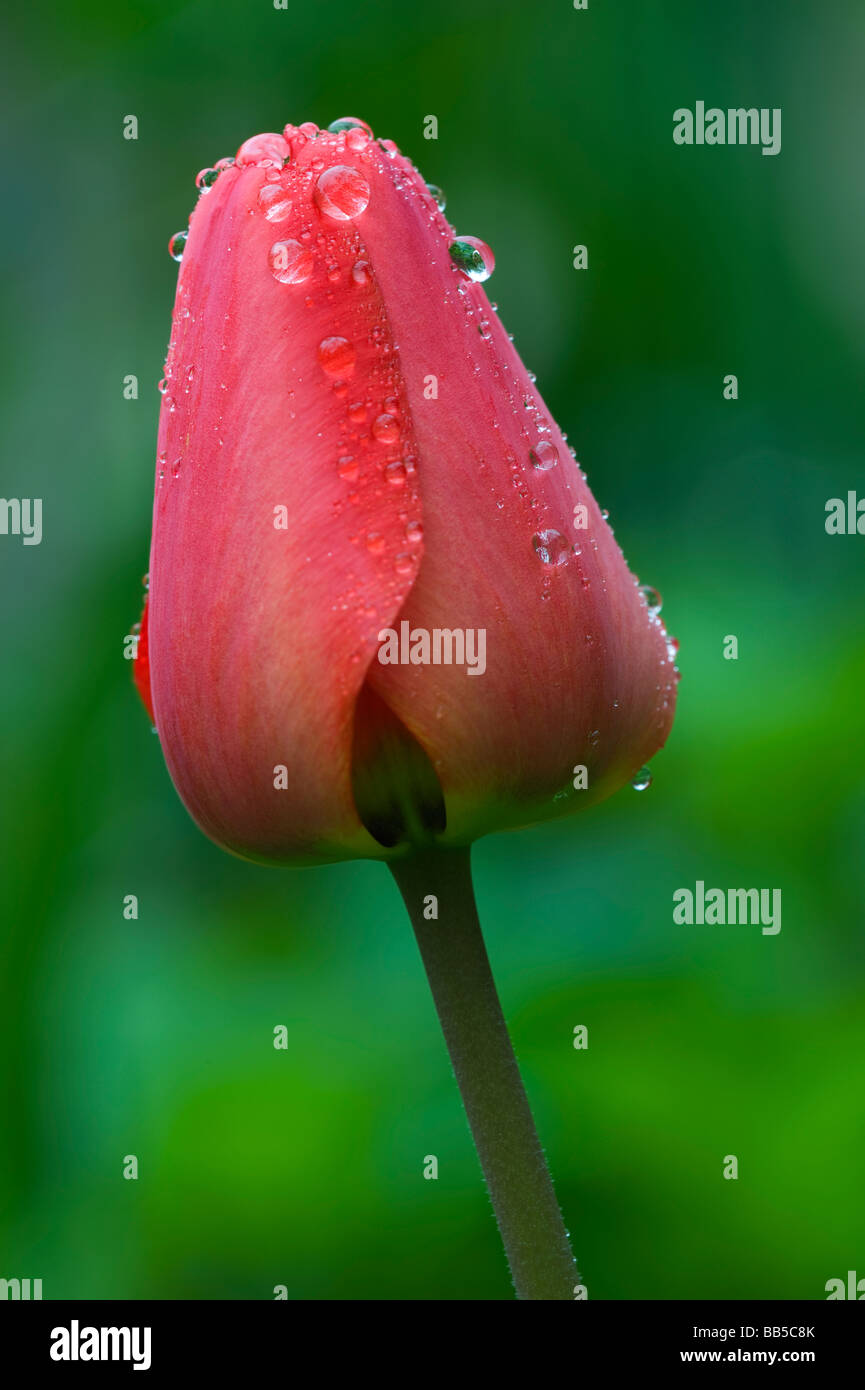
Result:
[[467, 1003]]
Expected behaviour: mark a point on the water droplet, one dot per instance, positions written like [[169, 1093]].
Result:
[[225, 163], [396, 473], [348, 123], [273, 202], [385, 429], [473, 257], [360, 272], [544, 456], [348, 467], [403, 563], [414, 532], [641, 780], [551, 547], [290, 262], [357, 412], [336, 356], [605, 515], [266, 149], [342, 193], [176, 245], [206, 178], [441, 201], [162, 386], [654, 602], [375, 543], [672, 648]]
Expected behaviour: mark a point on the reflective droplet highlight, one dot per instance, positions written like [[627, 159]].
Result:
[[336, 356], [654, 602], [206, 178], [641, 780], [544, 456], [177, 245], [441, 201], [385, 429], [273, 202], [290, 262], [342, 193], [348, 123], [551, 548], [473, 257]]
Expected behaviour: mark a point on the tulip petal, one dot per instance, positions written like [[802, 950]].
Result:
[[282, 533]]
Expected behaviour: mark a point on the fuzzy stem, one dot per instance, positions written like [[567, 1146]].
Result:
[[464, 992]]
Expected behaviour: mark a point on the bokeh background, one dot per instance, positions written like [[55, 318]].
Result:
[[154, 1037]]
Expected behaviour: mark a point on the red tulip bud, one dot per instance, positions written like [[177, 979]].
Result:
[[353, 459]]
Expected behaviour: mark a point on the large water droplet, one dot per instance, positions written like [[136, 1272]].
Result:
[[653, 599], [349, 123], [473, 257], [385, 429], [544, 456], [336, 356], [177, 245], [641, 780], [269, 148], [441, 201], [273, 202], [206, 178], [551, 547], [290, 262], [342, 193], [395, 473]]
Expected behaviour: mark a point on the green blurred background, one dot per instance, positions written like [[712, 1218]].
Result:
[[154, 1037]]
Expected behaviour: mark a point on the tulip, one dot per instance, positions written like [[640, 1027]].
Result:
[[353, 459]]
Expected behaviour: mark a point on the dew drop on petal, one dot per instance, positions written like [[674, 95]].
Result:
[[544, 456], [206, 178], [385, 429], [342, 193], [414, 532], [641, 780], [349, 123], [176, 245], [395, 473], [336, 356], [269, 148], [438, 196], [290, 262], [360, 272], [551, 547], [653, 599], [473, 257], [273, 202]]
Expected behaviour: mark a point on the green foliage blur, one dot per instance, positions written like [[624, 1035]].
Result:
[[154, 1038]]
